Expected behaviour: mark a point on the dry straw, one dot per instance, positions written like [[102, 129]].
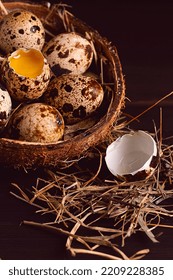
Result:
[[98, 212]]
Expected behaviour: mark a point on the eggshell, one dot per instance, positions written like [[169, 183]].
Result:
[[75, 96], [26, 74], [21, 29], [5, 106], [36, 122], [131, 155], [68, 53]]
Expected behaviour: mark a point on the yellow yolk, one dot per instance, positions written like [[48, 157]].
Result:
[[27, 63]]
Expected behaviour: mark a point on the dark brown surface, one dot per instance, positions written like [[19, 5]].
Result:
[[142, 33]]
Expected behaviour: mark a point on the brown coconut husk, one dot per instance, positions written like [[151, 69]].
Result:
[[78, 138]]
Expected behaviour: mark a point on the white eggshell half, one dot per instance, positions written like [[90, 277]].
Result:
[[131, 153]]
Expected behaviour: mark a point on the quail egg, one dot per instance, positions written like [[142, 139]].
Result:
[[5, 106], [75, 96], [25, 74], [36, 122], [21, 29], [68, 53]]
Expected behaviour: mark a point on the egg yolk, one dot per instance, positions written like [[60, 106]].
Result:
[[27, 63]]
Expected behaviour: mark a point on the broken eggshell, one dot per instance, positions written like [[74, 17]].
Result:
[[26, 74], [131, 156]]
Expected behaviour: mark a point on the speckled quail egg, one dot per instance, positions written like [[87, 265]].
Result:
[[21, 29], [5, 106], [26, 74], [75, 96], [68, 53], [36, 122]]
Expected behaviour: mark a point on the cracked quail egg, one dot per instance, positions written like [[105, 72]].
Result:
[[26, 74], [5, 106], [36, 122], [68, 53], [132, 156], [21, 29], [75, 96]]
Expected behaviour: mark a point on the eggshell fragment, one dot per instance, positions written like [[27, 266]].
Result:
[[36, 122], [21, 29], [68, 53], [26, 74], [131, 154]]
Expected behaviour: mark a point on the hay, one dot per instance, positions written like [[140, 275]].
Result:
[[98, 212]]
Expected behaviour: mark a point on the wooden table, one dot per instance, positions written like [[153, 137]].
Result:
[[142, 33]]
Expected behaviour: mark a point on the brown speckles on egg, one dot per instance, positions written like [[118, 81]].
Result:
[[49, 50], [72, 60], [33, 18], [80, 112], [79, 45], [53, 93], [75, 96], [67, 107], [63, 54], [58, 71], [35, 28], [16, 14], [36, 122], [68, 88], [12, 37], [24, 88], [38, 41], [58, 48], [68, 53], [88, 51], [21, 29], [90, 92], [37, 83], [46, 77]]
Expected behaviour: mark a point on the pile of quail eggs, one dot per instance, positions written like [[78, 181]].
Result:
[[44, 85]]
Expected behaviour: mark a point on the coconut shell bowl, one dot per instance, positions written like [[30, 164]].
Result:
[[91, 130]]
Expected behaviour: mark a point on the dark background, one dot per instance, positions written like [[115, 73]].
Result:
[[142, 31]]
